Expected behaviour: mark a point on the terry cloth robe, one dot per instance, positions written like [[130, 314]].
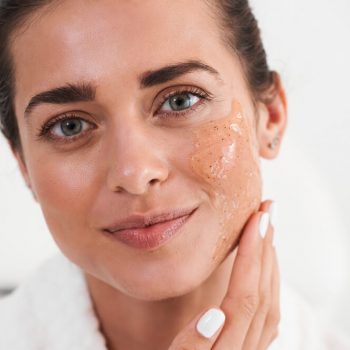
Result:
[[52, 310]]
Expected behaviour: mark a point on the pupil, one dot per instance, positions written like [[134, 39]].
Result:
[[71, 127], [179, 102]]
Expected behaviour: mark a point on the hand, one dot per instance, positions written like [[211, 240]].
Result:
[[251, 303]]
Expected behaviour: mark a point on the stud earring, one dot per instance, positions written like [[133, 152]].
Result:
[[275, 142]]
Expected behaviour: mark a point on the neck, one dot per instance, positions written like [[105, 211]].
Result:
[[129, 323]]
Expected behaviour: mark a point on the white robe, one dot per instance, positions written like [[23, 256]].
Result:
[[52, 310]]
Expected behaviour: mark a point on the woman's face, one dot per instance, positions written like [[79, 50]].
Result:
[[186, 139]]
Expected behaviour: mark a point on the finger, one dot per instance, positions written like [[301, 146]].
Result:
[[242, 298], [202, 331], [266, 205], [257, 326], [273, 319]]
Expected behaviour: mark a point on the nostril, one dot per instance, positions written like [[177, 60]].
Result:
[[153, 181], [118, 189]]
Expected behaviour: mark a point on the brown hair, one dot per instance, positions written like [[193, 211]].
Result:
[[240, 31], [237, 21]]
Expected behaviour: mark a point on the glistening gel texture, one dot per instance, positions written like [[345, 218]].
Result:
[[226, 157]]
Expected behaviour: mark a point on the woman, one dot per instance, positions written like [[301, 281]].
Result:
[[138, 126]]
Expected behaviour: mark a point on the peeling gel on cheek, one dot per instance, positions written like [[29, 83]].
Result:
[[226, 158]]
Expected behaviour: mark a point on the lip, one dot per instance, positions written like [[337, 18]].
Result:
[[149, 232], [145, 220]]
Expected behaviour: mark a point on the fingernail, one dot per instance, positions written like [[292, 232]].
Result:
[[264, 224], [272, 211], [210, 322]]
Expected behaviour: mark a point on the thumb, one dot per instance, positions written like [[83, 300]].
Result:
[[202, 332]]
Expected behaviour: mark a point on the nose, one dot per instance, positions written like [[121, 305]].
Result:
[[137, 162]]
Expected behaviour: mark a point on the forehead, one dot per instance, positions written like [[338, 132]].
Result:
[[95, 40]]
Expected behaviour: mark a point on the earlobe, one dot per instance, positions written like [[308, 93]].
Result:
[[272, 121]]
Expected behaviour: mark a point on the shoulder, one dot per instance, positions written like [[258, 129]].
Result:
[[301, 328], [18, 316], [51, 309]]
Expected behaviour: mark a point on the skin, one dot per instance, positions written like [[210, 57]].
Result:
[[134, 160]]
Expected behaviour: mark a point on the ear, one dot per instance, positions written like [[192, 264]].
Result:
[[18, 154], [272, 120]]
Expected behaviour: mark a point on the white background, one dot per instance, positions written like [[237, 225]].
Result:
[[308, 43]]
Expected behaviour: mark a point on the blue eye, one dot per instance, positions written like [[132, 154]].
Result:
[[65, 128], [180, 102], [68, 127]]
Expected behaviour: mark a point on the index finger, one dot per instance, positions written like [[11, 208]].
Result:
[[242, 298]]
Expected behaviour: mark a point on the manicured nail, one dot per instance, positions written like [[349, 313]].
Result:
[[272, 211], [210, 322], [264, 224]]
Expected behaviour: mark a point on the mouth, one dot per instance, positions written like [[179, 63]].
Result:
[[150, 232]]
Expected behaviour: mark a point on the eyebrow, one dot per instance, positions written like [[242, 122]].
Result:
[[86, 91], [69, 93], [165, 74]]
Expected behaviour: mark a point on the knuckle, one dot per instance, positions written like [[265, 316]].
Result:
[[252, 261], [265, 305], [277, 319], [186, 345], [249, 304], [274, 318]]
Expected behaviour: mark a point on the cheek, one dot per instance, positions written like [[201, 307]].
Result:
[[227, 162], [65, 187]]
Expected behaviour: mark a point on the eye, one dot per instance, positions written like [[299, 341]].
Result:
[[65, 128], [68, 127], [179, 102]]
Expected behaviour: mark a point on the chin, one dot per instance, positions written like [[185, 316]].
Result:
[[160, 285], [162, 292]]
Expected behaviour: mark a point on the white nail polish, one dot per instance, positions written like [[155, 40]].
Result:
[[272, 211], [264, 224], [210, 322]]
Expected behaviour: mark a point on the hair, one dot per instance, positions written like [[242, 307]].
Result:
[[237, 21]]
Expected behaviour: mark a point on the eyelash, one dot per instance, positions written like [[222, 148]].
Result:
[[204, 96], [44, 131]]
